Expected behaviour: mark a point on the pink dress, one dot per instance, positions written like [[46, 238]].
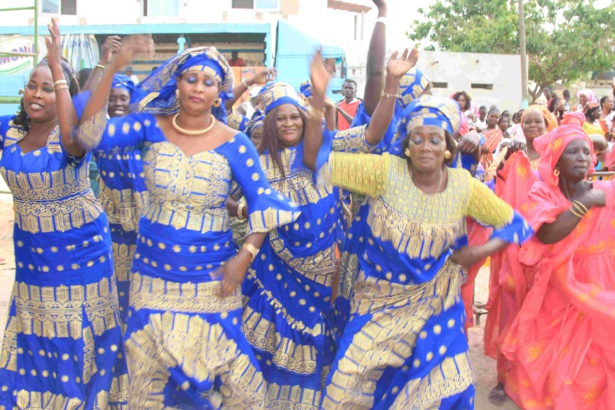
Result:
[[561, 342]]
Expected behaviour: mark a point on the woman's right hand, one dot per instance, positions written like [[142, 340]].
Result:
[[140, 44], [111, 44]]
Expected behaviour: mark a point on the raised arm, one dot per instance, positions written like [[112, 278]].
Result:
[[111, 44], [396, 68], [375, 60], [94, 119], [67, 117]]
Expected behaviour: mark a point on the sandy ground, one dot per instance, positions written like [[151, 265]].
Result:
[[484, 367]]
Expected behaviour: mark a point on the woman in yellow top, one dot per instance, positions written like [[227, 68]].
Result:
[[592, 124], [404, 346]]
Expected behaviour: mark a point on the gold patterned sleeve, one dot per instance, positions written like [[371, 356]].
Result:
[[362, 173], [352, 140], [486, 207]]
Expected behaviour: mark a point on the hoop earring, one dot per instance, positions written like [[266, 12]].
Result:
[[177, 94], [447, 155], [407, 152], [556, 172], [217, 102]]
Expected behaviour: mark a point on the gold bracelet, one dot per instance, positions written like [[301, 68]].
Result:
[[240, 210], [100, 66], [245, 84], [56, 83], [61, 87], [253, 250], [574, 212], [581, 206], [387, 95], [579, 210]]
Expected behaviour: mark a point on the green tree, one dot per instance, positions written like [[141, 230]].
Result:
[[566, 39]]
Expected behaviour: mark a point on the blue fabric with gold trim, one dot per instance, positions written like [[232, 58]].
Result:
[[411, 87], [63, 343], [288, 314], [255, 122], [306, 88], [279, 94], [157, 93], [237, 121], [406, 328], [123, 82], [184, 239]]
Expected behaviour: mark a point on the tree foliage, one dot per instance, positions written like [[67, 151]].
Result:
[[565, 39]]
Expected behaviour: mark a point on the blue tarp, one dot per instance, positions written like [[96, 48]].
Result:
[[295, 49]]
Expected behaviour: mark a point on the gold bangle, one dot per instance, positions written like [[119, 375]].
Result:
[[100, 66], [245, 84], [252, 250], [581, 206], [56, 83], [61, 87], [240, 210], [387, 95], [574, 212]]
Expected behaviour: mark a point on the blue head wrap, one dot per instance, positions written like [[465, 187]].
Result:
[[282, 93], [157, 93], [411, 86], [306, 88], [427, 110], [123, 82], [255, 122]]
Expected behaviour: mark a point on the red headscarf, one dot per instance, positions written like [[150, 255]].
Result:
[[551, 146]]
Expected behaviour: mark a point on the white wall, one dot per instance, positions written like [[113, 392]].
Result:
[[459, 70]]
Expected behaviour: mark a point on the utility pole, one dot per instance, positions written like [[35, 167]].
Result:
[[524, 67]]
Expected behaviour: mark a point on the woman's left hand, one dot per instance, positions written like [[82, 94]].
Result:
[[398, 67], [466, 256], [232, 273], [54, 44]]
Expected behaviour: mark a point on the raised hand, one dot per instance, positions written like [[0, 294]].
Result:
[[398, 67], [380, 4], [112, 44], [319, 75], [54, 44], [139, 44], [263, 75]]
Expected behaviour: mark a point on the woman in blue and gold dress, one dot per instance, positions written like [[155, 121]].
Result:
[[404, 346], [63, 344], [184, 343], [287, 318], [123, 192]]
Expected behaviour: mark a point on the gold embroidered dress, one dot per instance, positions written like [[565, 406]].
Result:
[[184, 343], [63, 346], [404, 346]]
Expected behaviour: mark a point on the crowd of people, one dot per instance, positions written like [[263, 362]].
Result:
[[309, 256]]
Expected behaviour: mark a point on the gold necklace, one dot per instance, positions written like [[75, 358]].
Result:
[[189, 132], [439, 189]]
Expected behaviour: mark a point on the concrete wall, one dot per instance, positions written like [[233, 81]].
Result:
[[461, 70]]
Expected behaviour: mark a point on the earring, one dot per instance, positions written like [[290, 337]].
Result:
[[407, 152], [447, 155], [217, 102], [556, 172], [177, 94]]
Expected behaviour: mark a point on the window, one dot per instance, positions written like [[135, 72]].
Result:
[[160, 8], [256, 4], [435, 84], [482, 86], [65, 7]]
